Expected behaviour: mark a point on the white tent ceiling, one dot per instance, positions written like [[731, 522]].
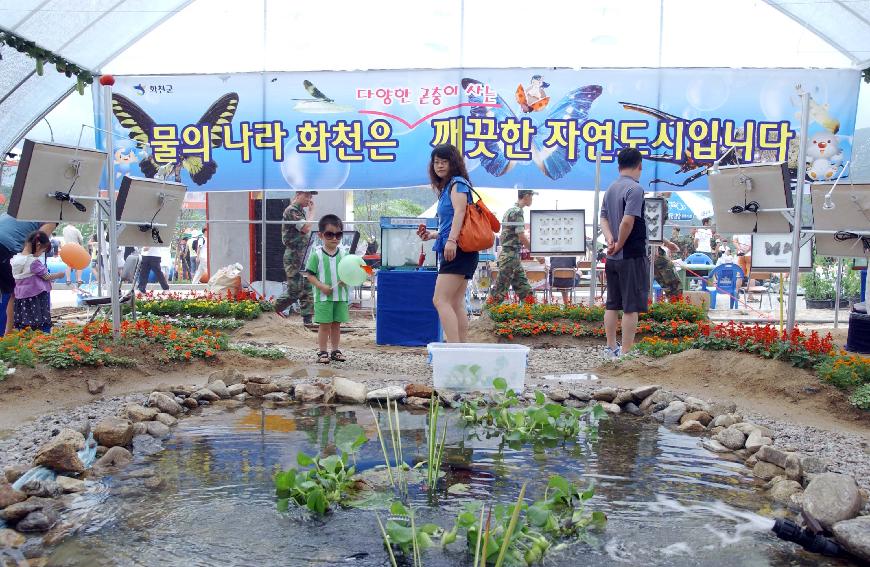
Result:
[[206, 36]]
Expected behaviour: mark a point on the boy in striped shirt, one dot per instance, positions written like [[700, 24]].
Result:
[[330, 295]]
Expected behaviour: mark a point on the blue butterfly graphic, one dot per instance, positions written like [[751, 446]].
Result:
[[552, 161]]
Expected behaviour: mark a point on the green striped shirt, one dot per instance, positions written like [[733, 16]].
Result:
[[325, 268]]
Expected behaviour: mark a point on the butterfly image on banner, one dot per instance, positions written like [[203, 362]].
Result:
[[774, 249], [141, 127], [553, 161]]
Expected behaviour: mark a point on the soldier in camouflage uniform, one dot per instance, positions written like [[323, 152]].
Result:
[[295, 238], [510, 269], [664, 272]]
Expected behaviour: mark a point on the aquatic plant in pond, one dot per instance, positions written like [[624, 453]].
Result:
[[434, 445], [329, 481], [541, 424]]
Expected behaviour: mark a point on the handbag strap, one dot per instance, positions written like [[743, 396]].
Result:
[[459, 179]]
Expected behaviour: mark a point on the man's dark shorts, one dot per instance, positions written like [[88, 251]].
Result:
[[627, 284]]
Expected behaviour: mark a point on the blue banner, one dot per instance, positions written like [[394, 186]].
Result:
[[518, 128]]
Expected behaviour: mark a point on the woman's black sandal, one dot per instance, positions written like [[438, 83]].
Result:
[[337, 356], [323, 357]]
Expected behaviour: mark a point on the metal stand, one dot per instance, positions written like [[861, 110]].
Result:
[[798, 212], [114, 283], [593, 272], [837, 293]]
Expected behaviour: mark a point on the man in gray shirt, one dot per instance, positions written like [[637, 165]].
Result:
[[627, 265]]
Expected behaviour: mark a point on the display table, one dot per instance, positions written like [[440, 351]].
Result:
[[698, 271], [405, 314]]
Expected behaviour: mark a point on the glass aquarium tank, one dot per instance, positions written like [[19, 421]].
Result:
[[400, 245]]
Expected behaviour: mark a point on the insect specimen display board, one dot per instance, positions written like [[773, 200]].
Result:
[[401, 247], [772, 253], [653, 216], [50, 178], [739, 191], [153, 206], [555, 233], [848, 214]]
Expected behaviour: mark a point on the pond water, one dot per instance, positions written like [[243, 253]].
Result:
[[668, 501]]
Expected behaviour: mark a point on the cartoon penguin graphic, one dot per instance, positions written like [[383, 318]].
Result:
[[533, 97]]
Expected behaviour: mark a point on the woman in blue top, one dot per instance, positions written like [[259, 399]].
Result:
[[450, 181]]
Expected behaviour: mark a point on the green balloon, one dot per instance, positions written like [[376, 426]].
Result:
[[351, 270]]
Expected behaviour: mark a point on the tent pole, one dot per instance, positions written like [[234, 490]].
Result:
[[114, 282], [837, 293], [263, 226], [593, 272], [798, 212]]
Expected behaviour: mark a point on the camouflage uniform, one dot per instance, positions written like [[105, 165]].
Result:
[[667, 276], [510, 269], [296, 243]]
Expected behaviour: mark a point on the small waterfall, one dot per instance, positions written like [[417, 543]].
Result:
[[87, 456]]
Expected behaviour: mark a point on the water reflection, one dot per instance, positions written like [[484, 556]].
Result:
[[217, 506]]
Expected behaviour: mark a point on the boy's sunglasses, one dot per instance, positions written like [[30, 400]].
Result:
[[332, 235]]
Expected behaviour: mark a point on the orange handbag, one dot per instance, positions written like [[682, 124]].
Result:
[[478, 227]]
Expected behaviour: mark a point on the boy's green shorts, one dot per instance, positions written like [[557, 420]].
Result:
[[331, 312]]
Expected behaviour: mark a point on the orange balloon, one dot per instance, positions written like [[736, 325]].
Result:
[[75, 256], [204, 278]]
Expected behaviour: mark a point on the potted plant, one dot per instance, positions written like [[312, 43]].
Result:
[[820, 285]]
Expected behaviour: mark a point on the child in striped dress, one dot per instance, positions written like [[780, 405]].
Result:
[[330, 295]]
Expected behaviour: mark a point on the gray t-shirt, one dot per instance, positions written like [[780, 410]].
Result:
[[625, 197]]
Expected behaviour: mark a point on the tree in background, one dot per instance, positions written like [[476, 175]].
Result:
[[372, 205]]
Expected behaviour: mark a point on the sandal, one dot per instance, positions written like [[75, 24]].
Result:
[[323, 357], [337, 356]]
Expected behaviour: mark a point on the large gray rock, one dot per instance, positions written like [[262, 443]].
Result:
[[581, 395], [158, 430], [18, 511], [755, 440], [205, 394], [95, 386], [696, 404], [10, 539], [137, 412], [219, 388], [114, 432], [236, 389], [731, 437], [558, 395], [610, 408], [643, 392], [719, 408], [386, 393], [771, 454], [604, 394], [228, 376], [657, 401], [350, 392], [812, 465], [60, 452], [166, 419], [278, 397], [256, 380], [312, 393], [726, 420], [714, 446], [748, 427], [14, 472], [139, 428], [782, 491], [692, 426], [43, 488], [631, 408], [671, 415], [258, 390], [38, 521], [69, 484], [623, 397], [701, 416], [164, 403], [766, 471], [115, 457], [854, 535], [793, 467], [10, 496], [832, 498]]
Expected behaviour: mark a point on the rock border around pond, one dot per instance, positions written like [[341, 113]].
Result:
[[800, 482]]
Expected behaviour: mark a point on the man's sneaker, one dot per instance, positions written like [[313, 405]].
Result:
[[613, 353], [281, 305]]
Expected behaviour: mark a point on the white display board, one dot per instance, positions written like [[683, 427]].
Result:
[[48, 171], [144, 201], [746, 186], [558, 233], [772, 253], [654, 217], [849, 216]]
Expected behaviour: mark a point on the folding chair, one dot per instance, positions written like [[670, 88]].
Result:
[[760, 289], [561, 277], [538, 281]]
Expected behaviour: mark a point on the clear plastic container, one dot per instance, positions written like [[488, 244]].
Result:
[[473, 366]]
